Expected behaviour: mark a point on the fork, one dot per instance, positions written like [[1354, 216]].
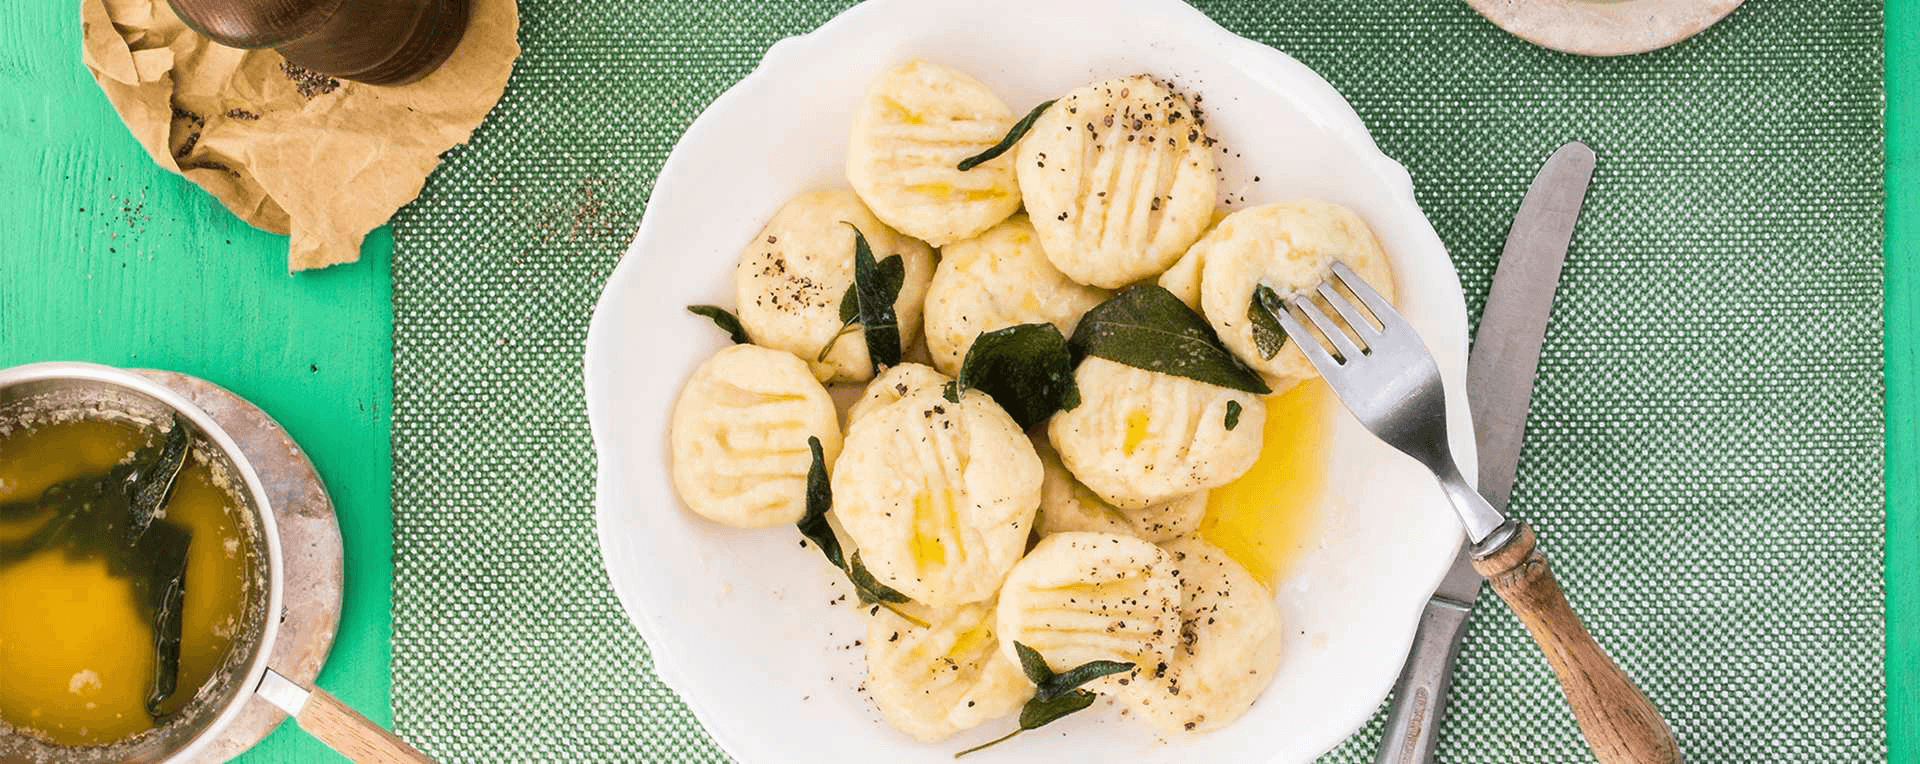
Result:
[[1381, 370]]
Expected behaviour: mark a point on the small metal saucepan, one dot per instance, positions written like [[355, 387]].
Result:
[[77, 388]]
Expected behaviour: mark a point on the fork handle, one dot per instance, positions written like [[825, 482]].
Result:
[[1619, 723]]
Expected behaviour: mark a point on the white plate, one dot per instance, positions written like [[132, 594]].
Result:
[[739, 622]]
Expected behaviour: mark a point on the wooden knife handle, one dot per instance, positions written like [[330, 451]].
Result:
[[354, 736], [1620, 724]]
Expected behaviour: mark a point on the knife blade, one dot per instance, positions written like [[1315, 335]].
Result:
[[1506, 349], [1500, 373]]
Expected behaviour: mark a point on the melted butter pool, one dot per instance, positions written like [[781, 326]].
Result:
[[1264, 519], [76, 657]]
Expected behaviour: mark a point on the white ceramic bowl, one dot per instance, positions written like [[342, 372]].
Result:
[[740, 623]]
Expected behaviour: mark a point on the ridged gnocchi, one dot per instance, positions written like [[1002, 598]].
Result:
[[1067, 506], [999, 279], [1080, 597], [1290, 247], [1119, 178], [893, 384], [917, 122], [1140, 438], [1183, 278], [739, 437], [1230, 645], [794, 273], [964, 534], [931, 682], [939, 496]]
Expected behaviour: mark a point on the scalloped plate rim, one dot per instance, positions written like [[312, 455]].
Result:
[[667, 659]]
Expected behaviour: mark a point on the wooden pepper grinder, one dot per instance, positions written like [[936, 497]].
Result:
[[378, 42]]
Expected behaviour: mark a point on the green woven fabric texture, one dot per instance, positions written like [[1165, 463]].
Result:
[[1703, 460]]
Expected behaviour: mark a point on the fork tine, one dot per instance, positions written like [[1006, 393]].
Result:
[[1341, 342], [1348, 311], [1309, 344], [1376, 304]]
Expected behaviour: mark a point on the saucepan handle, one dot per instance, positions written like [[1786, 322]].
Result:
[[352, 735], [331, 722]]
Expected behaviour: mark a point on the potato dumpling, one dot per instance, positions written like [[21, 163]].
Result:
[[739, 437], [1119, 179], [794, 273], [1080, 597], [1290, 247], [1183, 279], [893, 384], [937, 495], [999, 279], [1067, 506], [1140, 438], [1229, 648], [917, 122], [931, 682]]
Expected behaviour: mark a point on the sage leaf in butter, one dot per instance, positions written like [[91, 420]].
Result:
[[1055, 695], [119, 517], [869, 302], [153, 483], [1146, 327], [1014, 134], [1263, 312], [1233, 415], [725, 320], [1027, 369]]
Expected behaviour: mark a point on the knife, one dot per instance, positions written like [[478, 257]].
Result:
[[1500, 370]]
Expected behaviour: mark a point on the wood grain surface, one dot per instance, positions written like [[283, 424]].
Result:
[[352, 735], [107, 258]]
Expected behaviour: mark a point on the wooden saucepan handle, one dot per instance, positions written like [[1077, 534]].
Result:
[[1620, 724], [352, 735]]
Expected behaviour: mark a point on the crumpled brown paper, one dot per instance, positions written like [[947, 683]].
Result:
[[321, 160]]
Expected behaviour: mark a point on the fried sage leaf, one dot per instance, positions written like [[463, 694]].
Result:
[[1028, 370], [1051, 685], [1014, 134], [1033, 665], [1071, 679], [869, 302], [1054, 695], [724, 319], [1263, 313], [1233, 415], [1039, 713], [869, 589], [813, 525], [1147, 327]]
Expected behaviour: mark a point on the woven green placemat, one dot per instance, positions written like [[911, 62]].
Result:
[[1704, 456]]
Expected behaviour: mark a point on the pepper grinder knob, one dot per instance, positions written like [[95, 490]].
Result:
[[378, 42]]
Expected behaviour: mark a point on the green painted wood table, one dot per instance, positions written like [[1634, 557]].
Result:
[[109, 259]]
